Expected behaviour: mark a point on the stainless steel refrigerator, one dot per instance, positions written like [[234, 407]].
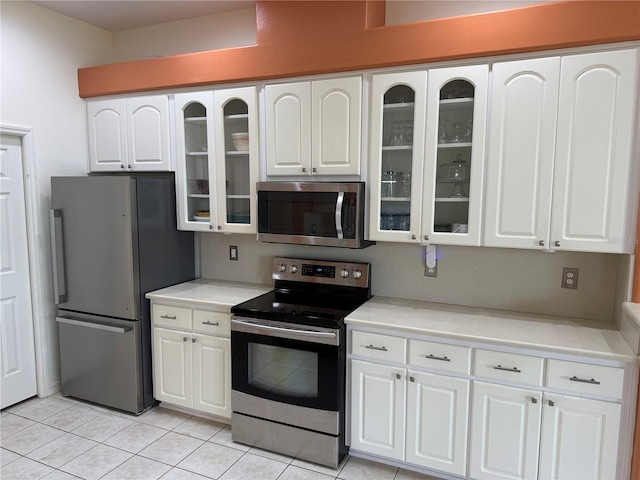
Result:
[[114, 238]]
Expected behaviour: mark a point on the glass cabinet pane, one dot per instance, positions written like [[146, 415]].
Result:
[[396, 160], [237, 162], [196, 162], [453, 164]]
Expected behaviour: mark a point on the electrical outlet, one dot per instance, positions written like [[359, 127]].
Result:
[[570, 278], [233, 252]]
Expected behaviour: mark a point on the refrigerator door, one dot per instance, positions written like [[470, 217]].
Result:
[[94, 223]]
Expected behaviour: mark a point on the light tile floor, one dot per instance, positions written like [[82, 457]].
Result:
[[62, 438]]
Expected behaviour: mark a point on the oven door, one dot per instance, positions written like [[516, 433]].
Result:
[[292, 364]]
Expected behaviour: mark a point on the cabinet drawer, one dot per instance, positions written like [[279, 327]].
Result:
[[168, 316], [451, 358], [215, 323], [511, 367], [585, 378], [382, 347]]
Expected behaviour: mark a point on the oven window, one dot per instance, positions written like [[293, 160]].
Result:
[[283, 371]]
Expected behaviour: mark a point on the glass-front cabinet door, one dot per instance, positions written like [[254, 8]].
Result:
[[396, 148], [194, 177], [236, 152], [454, 155]]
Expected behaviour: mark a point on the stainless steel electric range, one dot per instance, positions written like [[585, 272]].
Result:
[[288, 364]]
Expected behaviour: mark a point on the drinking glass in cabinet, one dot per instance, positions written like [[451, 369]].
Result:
[[386, 222], [388, 187]]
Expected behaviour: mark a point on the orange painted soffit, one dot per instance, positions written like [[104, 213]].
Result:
[[305, 38]]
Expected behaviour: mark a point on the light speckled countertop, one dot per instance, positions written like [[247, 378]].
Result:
[[539, 332], [209, 293]]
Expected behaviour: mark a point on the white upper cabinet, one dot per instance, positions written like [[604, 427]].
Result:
[[560, 168], [217, 152], [129, 134], [314, 128], [396, 152], [454, 155], [524, 104], [595, 184]]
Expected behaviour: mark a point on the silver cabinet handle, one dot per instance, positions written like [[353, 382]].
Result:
[[534, 400], [170, 317], [215, 324], [210, 227], [122, 166], [514, 369], [193, 340], [184, 339], [304, 170], [411, 379], [413, 237], [442, 359], [398, 376], [426, 237], [552, 403], [371, 347], [541, 243], [314, 170], [584, 380], [57, 255], [557, 243]]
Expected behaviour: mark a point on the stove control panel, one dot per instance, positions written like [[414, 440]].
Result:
[[321, 271]]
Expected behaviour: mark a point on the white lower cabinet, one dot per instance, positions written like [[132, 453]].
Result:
[[579, 438], [378, 395], [505, 432], [191, 369], [437, 411]]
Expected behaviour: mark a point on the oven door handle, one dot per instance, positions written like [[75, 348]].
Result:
[[339, 203], [261, 328]]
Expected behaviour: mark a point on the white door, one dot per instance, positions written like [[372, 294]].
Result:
[[107, 129], [594, 174], [17, 354], [148, 135], [579, 438], [337, 126], [378, 397], [212, 375], [172, 371], [288, 128], [437, 412], [505, 432], [522, 131]]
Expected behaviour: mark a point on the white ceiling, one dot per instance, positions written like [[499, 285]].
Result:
[[115, 15]]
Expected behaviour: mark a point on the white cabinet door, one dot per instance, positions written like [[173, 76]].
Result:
[[398, 103], [236, 162], [522, 134], [172, 372], [579, 438], [195, 180], [595, 180], [378, 395], [454, 155], [107, 129], [212, 375], [505, 432], [337, 126], [437, 416], [148, 135], [288, 128]]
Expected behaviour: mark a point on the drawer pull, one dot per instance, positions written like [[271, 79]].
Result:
[[168, 317], [514, 369], [534, 400], [215, 324], [371, 347], [442, 359], [552, 403], [584, 380]]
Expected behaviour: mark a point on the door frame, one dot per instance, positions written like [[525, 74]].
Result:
[[36, 260]]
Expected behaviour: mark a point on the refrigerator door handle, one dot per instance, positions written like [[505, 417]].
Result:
[[57, 254], [97, 326]]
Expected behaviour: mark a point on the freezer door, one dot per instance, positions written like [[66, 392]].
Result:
[[94, 225], [100, 360]]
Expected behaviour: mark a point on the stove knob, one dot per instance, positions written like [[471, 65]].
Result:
[[344, 273], [283, 267], [294, 269], [357, 274]]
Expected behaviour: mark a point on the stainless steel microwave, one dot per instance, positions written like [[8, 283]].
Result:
[[312, 213]]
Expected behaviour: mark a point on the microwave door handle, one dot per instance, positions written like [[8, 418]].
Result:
[[57, 254], [339, 203]]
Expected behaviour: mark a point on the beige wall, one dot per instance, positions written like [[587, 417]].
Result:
[[519, 280]]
